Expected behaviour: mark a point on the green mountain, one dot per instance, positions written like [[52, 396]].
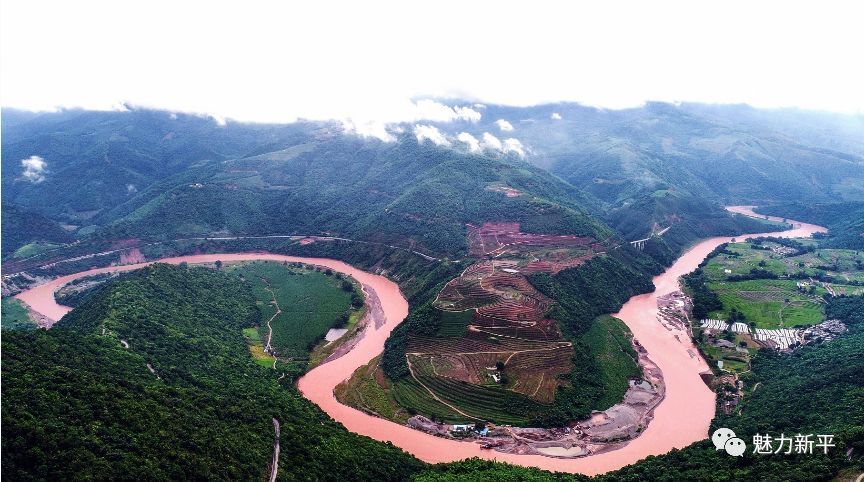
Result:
[[77, 404], [403, 193], [22, 227], [633, 160], [845, 221], [94, 161]]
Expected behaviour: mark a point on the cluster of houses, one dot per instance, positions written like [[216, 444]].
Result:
[[781, 338]]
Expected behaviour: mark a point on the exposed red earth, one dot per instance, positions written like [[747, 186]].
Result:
[[680, 419]]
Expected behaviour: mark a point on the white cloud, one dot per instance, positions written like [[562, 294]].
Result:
[[472, 142], [34, 169], [383, 123], [504, 125], [513, 145], [555, 116], [427, 109], [491, 142], [807, 71], [431, 133], [374, 129]]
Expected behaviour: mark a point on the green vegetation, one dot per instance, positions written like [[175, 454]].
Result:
[[256, 347], [369, 391], [33, 248], [78, 405], [310, 302], [844, 220], [582, 294], [75, 292], [15, 316], [403, 193], [815, 390], [773, 282], [485, 403], [690, 219], [609, 341], [26, 232], [767, 303], [143, 146], [408, 393], [454, 323]]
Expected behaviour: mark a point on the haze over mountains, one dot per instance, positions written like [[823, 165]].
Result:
[[154, 173]]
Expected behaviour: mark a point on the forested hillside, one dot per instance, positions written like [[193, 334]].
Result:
[[845, 221], [403, 193], [153, 174], [654, 165], [89, 162], [736, 154], [22, 227], [78, 404]]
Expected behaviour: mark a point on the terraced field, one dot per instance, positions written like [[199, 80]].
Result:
[[496, 355]]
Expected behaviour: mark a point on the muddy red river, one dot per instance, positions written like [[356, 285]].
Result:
[[680, 419]]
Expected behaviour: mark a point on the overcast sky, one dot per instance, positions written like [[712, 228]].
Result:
[[276, 61]]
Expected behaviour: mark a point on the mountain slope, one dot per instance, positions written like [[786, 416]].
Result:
[[93, 161], [77, 404], [21, 227], [403, 193]]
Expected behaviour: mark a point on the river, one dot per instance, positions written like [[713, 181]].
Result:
[[683, 417]]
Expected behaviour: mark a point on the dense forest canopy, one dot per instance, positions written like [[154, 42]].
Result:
[[76, 403]]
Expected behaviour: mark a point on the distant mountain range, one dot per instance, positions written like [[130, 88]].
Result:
[[555, 168]]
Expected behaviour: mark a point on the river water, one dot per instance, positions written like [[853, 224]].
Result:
[[680, 419]]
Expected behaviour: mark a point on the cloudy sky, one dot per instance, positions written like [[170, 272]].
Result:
[[276, 61]]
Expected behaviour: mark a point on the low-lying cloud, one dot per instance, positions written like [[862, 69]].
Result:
[[425, 132], [504, 125], [427, 109], [472, 142], [414, 111], [491, 142], [377, 130], [555, 116], [514, 145], [34, 169]]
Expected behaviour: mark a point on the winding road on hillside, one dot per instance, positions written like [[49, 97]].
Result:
[[682, 418]]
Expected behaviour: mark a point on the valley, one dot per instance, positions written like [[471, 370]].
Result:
[[431, 242], [686, 397]]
